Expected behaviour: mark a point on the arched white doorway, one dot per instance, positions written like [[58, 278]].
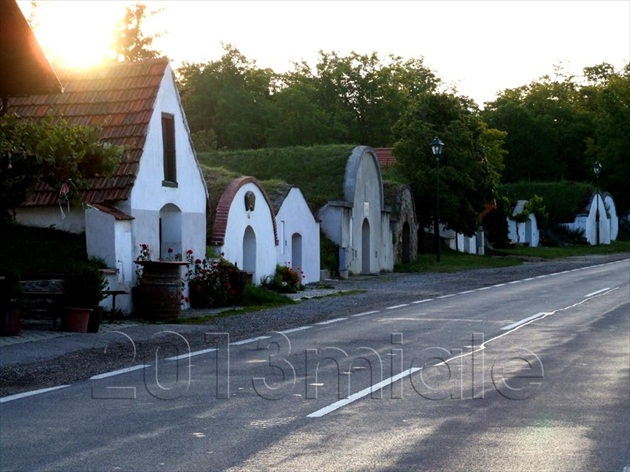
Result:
[[249, 250], [365, 247], [296, 250], [170, 231]]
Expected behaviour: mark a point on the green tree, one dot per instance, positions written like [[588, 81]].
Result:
[[130, 43], [548, 123], [470, 166], [48, 151], [231, 97], [610, 143], [363, 95]]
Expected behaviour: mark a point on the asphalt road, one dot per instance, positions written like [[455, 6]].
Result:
[[530, 374]]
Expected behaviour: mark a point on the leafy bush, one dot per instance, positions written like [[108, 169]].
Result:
[[285, 280], [215, 283]]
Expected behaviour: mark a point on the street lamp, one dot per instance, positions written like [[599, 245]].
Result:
[[436, 149], [597, 168]]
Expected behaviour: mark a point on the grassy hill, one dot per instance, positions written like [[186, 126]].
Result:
[[318, 171]]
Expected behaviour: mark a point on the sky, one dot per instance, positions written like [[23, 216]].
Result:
[[479, 47]]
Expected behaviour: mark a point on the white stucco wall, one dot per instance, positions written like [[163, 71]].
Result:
[[261, 222], [363, 188], [110, 240], [589, 225], [149, 195], [611, 209], [72, 220], [294, 216]]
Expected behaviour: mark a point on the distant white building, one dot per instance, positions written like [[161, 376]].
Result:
[[523, 232], [359, 224], [598, 221]]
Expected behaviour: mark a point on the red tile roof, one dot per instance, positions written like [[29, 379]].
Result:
[[223, 209], [119, 98], [385, 157], [24, 69]]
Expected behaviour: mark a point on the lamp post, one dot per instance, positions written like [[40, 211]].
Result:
[[597, 168], [436, 149]]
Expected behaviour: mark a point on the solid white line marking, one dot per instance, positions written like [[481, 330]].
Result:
[[252, 340], [366, 313], [596, 293], [423, 301], [287, 331], [118, 372], [190, 354], [17, 396], [357, 396], [330, 321], [523, 321], [396, 306]]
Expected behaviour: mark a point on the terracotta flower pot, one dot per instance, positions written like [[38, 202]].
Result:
[[75, 320]]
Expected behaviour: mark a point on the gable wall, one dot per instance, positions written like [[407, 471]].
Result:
[[261, 221], [294, 216], [364, 189], [149, 195]]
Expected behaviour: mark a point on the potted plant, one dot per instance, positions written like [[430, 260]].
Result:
[[83, 291]]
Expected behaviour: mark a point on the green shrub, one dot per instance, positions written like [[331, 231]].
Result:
[[214, 283], [284, 280]]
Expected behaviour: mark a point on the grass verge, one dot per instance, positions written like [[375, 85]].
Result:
[[453, 261]]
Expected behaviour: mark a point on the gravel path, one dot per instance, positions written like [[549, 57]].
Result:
[[59, 361]]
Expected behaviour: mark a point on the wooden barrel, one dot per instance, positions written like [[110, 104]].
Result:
[[158, 297]]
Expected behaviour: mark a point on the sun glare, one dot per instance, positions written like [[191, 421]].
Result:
[[75, 34]]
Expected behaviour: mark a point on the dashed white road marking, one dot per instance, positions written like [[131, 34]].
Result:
[[247, 341], [119, 371], [366, 391], [365, 313], [523, 321], [301, 328], [423, 301], [397, 306], [17, 396], [597, 292], [190, 354], [327, 322]]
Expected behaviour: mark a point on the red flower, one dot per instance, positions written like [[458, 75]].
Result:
[[222, 254], [197, 261], [190, 251], [144, 247], [170, 250]]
